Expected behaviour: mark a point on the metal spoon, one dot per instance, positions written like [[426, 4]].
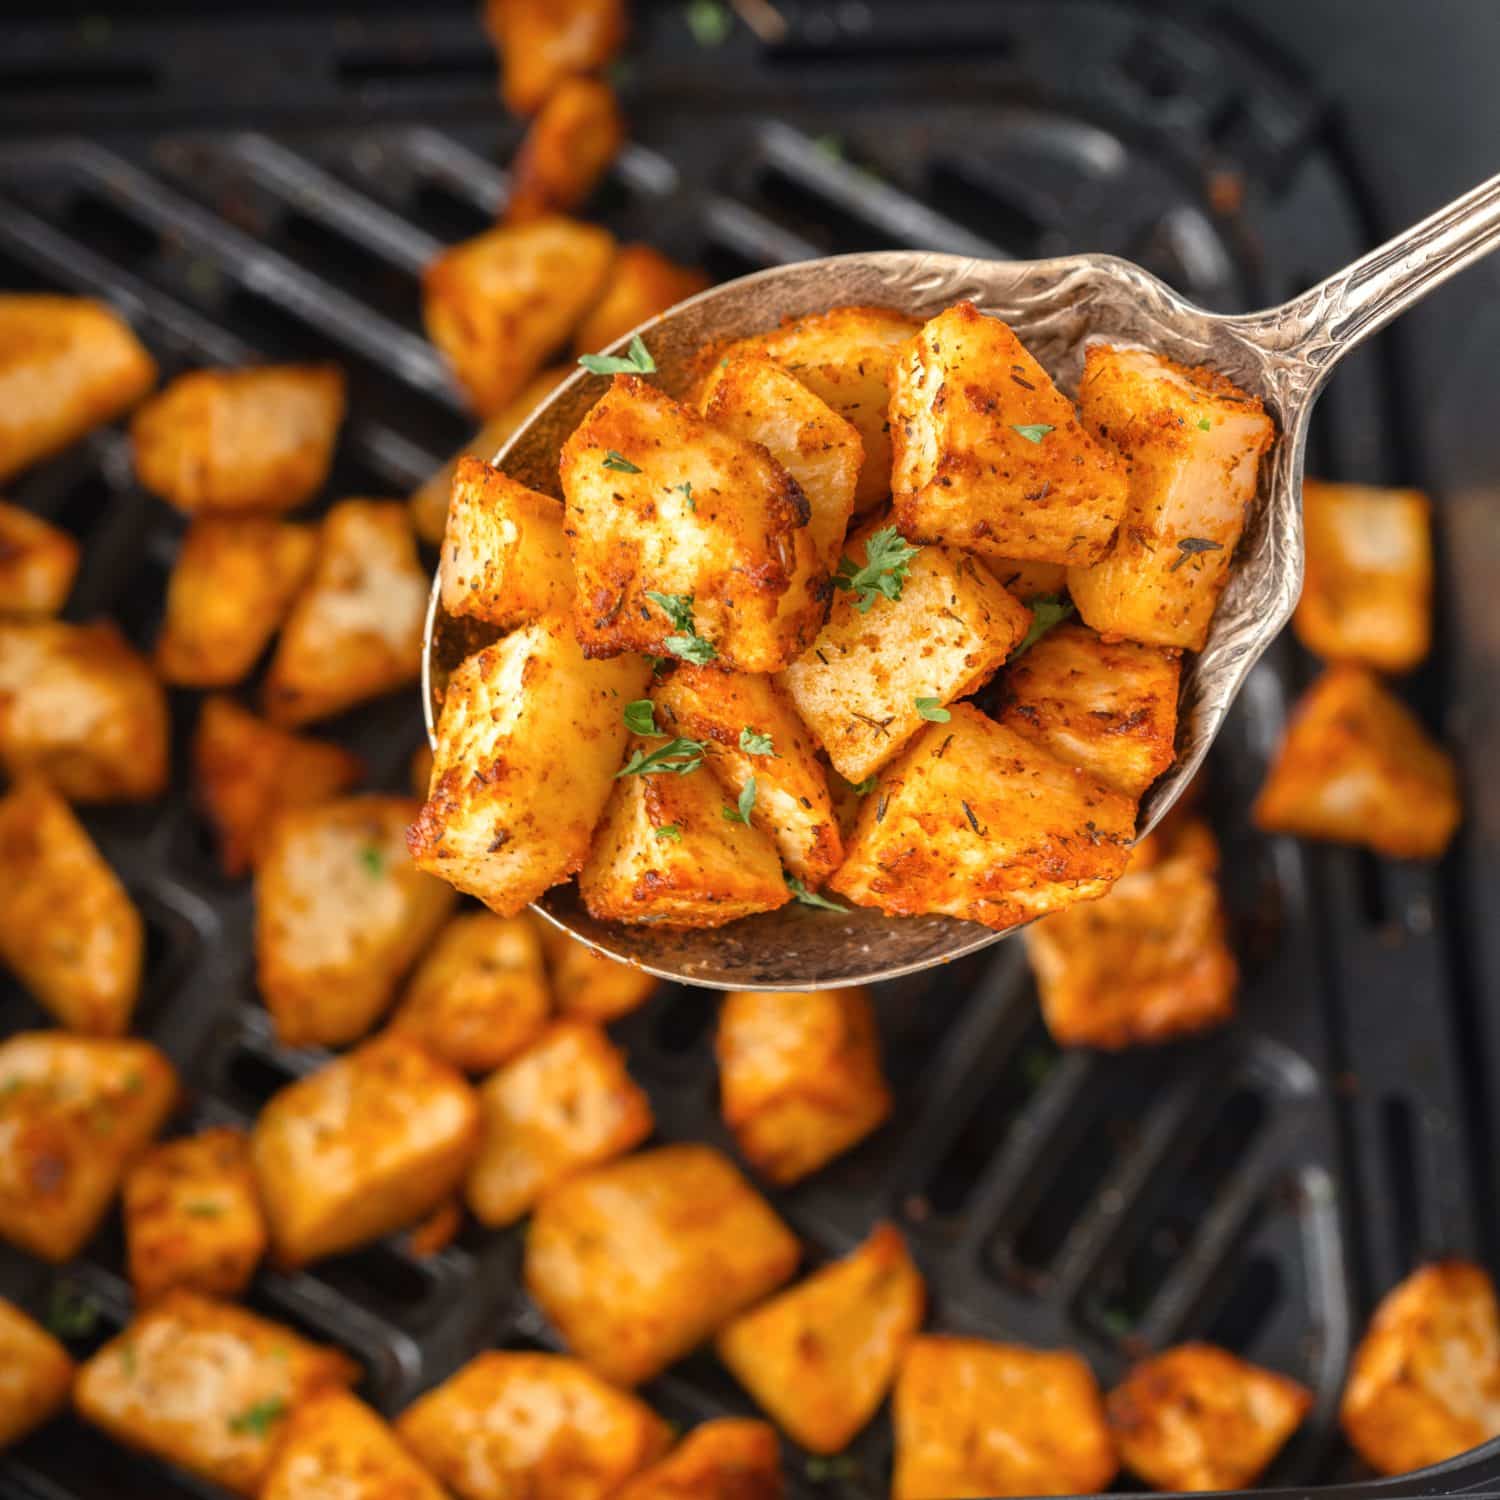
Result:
[[1283, 355]]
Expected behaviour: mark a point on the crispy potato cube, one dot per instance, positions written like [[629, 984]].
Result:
[[74, 1113], [989, 455], [1197, 1418], [568, 147], [544, 42], [205, 1385], [1367, 589], [80, 706], [642, 283], [499, 305], [821, 1356], [371, 1142], [333, 1447], [976, 822], [67, 364], [1109, 708], [1028, 580], [340, 914], [1193, 442], [727, 1459], [37, 563], [978, 1418], [355, 631], [504, 557], [564, 1105], [661, 502], [36, 1374], [638, 1262], [585, 984], [799, 1076], [480, 995], [529, 740], [1356, 766]]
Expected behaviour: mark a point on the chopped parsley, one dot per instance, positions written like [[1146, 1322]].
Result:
[[636, 361], [811, 898], [256, 1419], [675, 758], [709, 22], [1190, 546], [865, 787], [685, 489], [687, 643], [1047, 610], [1204, 425], [753, 742], [932, 710], [693, 648], [741, 812], [670, 833], [618, 462], [1033, 432], [203, 1209], [677, 607], [71, 1312], [373, 860], [888, 555], [640, 717]]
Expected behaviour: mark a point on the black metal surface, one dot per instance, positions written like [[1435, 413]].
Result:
[[271, 187]]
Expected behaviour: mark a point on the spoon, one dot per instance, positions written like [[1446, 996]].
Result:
[[1282, 355]]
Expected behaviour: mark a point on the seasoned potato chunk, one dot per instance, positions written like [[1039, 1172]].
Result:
[[1367, 589], [333, 1447], [480, 995], [340, 913], [36, 1374], [37, 563], [684, 535], [564, 1105], [976, 1418], [80, 705], [74, 1113], [67, 364], [1193, 443], [240, 440], [1356, 766], [728, 1459], [585, 984], [640, 1261], [528, 743], [569, 146], [800, 1077], [232, 585], [205, 1385], [500, 304], [1197, 1418], [976, 822], [371, 1142], [1029, 580], [544, 42], [642, 282], [67, 926], [355, 631], [821, 1356]]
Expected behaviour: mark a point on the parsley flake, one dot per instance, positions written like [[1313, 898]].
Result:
[[640, 717], [691, 648], [618, 462], [1204, 425], [1033, 432], [687, 643], [373, 860], [1190, 546], [256, 1419], [678, 608], [709, 22], [753, 742], [932, 710], [741, 812], [865, 787], [888, 556], [685, 489], [1047, 610], [676, 758], [636, 361], [71, 1313], [811, 898], [670, 833]]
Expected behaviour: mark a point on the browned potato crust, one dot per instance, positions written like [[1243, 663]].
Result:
[[727, 1459], [568, 147], [543, 42], [37, 563], [36, 1374], [638, 1262], [333, 1447], [1028, 580], [642, 283], [585, 984]]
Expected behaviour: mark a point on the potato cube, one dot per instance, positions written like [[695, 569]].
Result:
[[37, 563], [820, 1357], [638, 1262], [371, 1142], [333, 1447], [978, 1418], [568, 147], [586, 985], [529, 740], [544, 42], [685, 540], [566, 1104], [800, 1077], [231, 587], [205, 1385], [480, 995], [240, 440], [1193, 442], [1197, 1418], [504, 558], [1367, 589], [976, 822], [642, 283], [355, 631], [1356, 766], [500, 304], [74, 1113], [67, 364], [1029, 580], [36, 1374], [80, 706], [727, 1459]]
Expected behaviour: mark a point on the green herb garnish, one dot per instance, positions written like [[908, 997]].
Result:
[[709, 22], [618, 462], [670, 832], [887, 557], [1204, 425], [753, 742], [677, 607], [636, 361], [640, 717], [865, 787], [932, 710], [373, 860], [811, 898], [71, 1313], [1047, 610], [676, 758], [1190, 546], [685, 489], [256, 1419], [1033, 432], [693, 648], [687, 643], [741, 812]]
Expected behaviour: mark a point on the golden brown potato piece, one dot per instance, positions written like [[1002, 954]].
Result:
[[67, 926], [80, 706], [1197, 1418], [799, 1077], [1424, 1384], [340, 914], [638, 1262], [821, 1356], [480, 995], [530, 737], [36, 1374], [976, 822], [543, 42], [564, 1105], [1367, 588], [333, 1447], [504, 557], [67, 364], [74, 1113], [1029, 580], [642, 282], [577, 133], [727, 1459], [686, 541], [585, 984], [499, 305], [231, 587], [205, 1385], [1193, 442], [355, 631], [1356, 766], [371, 1142], [976, 1418], [37, 563]]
